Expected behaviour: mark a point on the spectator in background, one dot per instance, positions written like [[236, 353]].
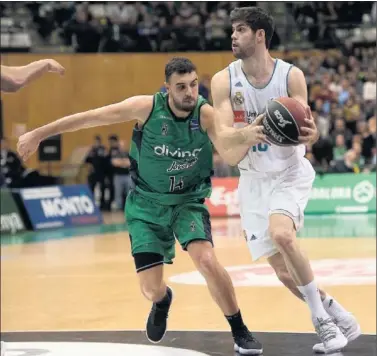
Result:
[[356, 147], [215, 31], [323, 124], [351, 114], [12, 168], [371, 167], [369, 88], [319, 107], [188, 21], [340, 147], [340, 129], [83, 31], [97, 160], [345, 92], [147, 26], [368, 133], [2, 180], [355, 82], [335, 86], [347, 165], [322, 151], [122, 179], [113, 153]]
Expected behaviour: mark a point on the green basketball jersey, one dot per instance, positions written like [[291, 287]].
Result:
[[171, 158]]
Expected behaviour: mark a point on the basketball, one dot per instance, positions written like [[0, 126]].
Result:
[[284, 118]]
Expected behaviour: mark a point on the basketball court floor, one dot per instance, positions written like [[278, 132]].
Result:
[[74, 292]]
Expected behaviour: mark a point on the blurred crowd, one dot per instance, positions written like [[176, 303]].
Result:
[[174, 26], [109, 172], [342, 95]]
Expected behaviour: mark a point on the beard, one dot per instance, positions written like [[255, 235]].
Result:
[[245, 52], [186, 106]]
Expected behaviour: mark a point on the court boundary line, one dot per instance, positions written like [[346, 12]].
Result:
[[175, 330]]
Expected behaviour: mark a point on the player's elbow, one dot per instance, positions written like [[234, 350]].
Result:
[[11, 85]]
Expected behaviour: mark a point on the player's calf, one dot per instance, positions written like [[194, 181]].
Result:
[[151, 282], [153, 287], [222, 291]]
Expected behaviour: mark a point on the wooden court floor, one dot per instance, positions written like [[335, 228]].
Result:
[[84, 279]]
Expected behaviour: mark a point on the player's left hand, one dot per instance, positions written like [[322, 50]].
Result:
[[310, 135], [54, 67], [27, 144]]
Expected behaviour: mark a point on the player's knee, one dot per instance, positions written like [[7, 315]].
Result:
[[206, 262], [151, 290], [283, 238]]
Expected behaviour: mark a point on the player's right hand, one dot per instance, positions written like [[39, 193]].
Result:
[[27, 144], [255, 132], [55, 67]]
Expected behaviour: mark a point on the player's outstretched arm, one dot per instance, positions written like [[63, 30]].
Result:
[[250, 135], [134, 108], [297, 89], [15, 78]]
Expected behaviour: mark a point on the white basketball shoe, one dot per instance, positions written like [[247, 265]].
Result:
[[348, 325], [332, 338]]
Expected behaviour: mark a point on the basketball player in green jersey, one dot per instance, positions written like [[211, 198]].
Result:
[[171, 164]]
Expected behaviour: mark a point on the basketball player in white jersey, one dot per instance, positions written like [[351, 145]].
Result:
[[15, 78], [275, 182]]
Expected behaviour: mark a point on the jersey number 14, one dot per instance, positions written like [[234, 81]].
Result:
[[175, 184]]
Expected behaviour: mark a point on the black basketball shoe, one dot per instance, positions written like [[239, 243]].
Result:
[[156, 324], [245, 343]]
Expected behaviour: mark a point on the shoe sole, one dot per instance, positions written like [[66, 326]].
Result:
[[338, 348], [146, 323], [242, 351], [351, 337]]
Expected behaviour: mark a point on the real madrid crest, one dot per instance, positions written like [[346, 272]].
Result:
[[238, 98]]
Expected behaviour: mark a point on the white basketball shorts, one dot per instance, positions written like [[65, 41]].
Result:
[[285, 192]]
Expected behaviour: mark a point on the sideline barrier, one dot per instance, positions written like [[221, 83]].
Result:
[[331, 194], [11, 217], [60, 206]]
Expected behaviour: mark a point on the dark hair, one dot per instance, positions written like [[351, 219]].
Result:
[[180, 65], [256, 18]]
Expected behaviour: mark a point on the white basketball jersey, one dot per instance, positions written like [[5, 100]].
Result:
[[248, 102]]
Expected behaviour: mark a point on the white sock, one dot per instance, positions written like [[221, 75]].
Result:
[[332, 307], [312, 297]]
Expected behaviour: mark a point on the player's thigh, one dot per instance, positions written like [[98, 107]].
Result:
[[152, 240], [254, 197], [290, 197], [191, 222]]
